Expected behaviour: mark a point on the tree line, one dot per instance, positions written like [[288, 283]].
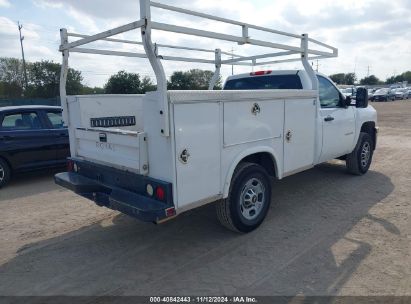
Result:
[[43, 78], [351, 79]]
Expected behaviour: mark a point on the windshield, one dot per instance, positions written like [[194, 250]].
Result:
[[348, 90], [381, 91], [270, 82]]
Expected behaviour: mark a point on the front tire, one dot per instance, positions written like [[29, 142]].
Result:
[[5, 173], [358, 161], [248, 201]]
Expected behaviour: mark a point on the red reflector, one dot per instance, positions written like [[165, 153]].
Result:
[[160, 193], [70, 165], [259, 73], [170, 212]]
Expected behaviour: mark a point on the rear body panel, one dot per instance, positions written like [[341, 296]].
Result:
[[122, 145], [119, 148]]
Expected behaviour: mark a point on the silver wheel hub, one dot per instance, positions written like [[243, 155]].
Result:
[[252, 199], [365, 154]]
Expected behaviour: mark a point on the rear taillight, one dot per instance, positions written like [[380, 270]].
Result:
[[259, 73], [170, 212], [70, 165], [160, 193]]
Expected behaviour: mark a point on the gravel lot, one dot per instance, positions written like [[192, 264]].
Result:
[[327, 233]]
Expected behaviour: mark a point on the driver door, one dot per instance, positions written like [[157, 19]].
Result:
[[338, 122]]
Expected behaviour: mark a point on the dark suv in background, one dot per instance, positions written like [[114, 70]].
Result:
[[384, 94], [31, 138]]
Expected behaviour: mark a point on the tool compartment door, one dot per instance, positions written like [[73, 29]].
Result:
[[299, 134], [198, 149]]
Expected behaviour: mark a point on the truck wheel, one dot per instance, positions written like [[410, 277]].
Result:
[[248, 201], [4, 173], [359, 161]]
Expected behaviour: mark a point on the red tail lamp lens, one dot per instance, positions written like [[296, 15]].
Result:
[[170, 212], [70, 165], [259, 73], [160, 193]]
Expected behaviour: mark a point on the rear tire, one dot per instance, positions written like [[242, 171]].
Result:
[[358, 161], [5, 173], [248, 201]]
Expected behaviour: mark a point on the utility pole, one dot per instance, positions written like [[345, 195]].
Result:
[[20, 26], [355, 65], [368, 71], [317, 65]]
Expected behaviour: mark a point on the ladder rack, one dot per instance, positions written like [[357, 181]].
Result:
[[146, 26]]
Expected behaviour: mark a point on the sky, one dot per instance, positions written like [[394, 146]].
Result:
[[373, 36]]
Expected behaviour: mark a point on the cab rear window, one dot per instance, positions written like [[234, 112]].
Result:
[[269, 82]]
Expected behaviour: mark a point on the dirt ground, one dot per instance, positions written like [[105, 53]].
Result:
[[327, 233]]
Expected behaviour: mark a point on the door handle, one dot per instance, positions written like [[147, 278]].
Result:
[[329, 118], [5, 137]]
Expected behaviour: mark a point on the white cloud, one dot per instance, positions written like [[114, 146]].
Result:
[[4, 3], [44, 4], [84, 20], [33, 42], [9, 29], [367, 33]]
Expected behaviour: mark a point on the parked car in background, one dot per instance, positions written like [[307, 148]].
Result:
[[371, 94], [31, 138], [384, 94], [349, 92], [401, 93], [395, 86], [408, 92]]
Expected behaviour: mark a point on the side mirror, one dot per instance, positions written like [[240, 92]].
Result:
[[347, 101], [362, 98]]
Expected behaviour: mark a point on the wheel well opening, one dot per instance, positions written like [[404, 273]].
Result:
[[7, 163], [369, 127], [265, 160]]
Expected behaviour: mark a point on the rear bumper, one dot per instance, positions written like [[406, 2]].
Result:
[[137, 205]]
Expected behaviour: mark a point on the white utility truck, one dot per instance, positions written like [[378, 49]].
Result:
[[157, 155]]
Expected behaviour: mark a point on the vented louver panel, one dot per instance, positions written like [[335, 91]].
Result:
[[107, 122]]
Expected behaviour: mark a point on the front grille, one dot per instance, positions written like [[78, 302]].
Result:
[[107, 122]]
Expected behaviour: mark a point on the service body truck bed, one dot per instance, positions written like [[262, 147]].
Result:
[[157, 155]]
